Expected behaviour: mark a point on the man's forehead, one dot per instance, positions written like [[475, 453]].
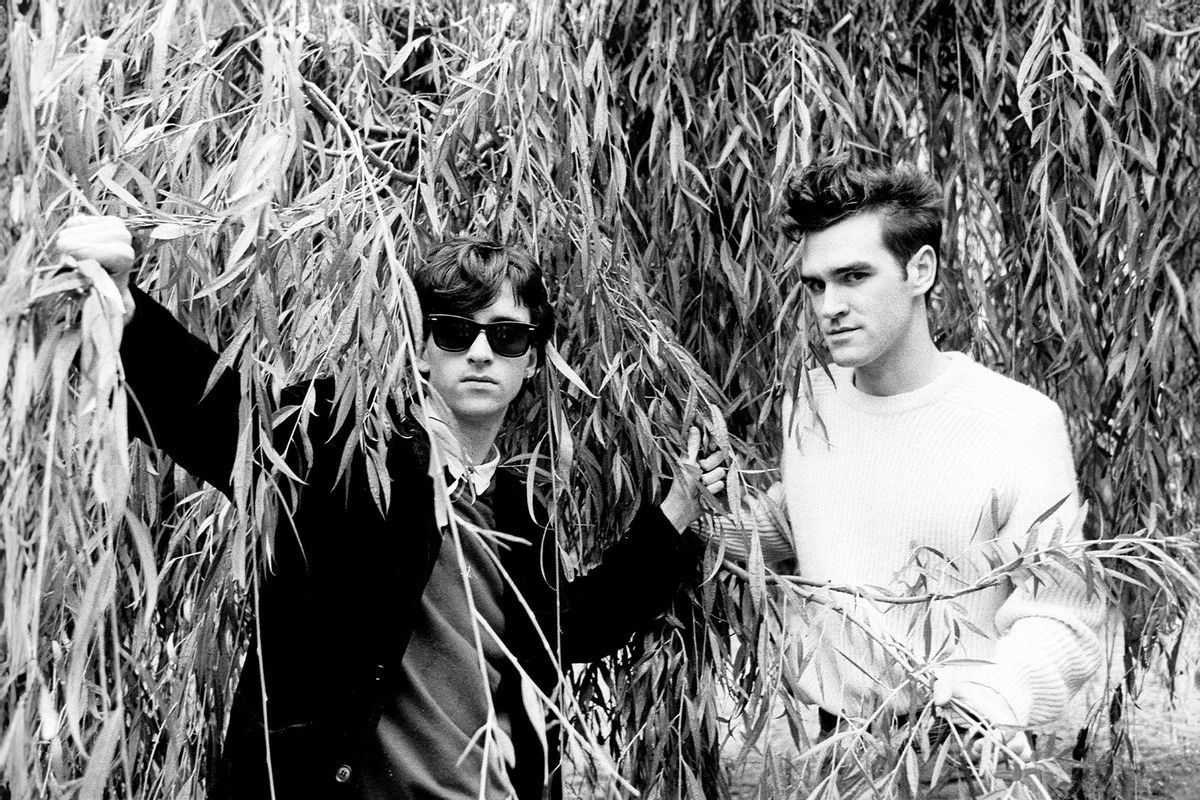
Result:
[[855, 240], [505, 307]]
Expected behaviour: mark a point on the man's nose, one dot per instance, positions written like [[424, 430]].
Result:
[[480, 349], [833, 303]]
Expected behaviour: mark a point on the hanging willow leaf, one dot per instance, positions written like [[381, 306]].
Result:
[[95, 777]]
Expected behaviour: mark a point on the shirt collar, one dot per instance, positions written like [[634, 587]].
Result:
[[460, 473], [478, 476]]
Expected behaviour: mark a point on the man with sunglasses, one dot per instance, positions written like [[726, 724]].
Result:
[[390, 639]]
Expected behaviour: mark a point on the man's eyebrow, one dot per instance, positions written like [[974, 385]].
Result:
[[506, 318], [837, 272], [854, 266]]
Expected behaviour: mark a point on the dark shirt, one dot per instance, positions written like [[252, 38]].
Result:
[[427, 744]]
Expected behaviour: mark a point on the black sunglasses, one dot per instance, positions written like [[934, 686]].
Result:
[[455, 334]]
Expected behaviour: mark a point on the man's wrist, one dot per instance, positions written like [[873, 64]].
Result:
[[678, 511], [130, 303], [982, 689]]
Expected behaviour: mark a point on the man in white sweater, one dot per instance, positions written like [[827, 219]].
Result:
[[911, 471]]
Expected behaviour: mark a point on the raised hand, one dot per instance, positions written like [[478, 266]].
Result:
[[696, 479], [105, 240]]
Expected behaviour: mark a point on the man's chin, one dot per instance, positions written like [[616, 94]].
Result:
[[480, 412], [846, 359]]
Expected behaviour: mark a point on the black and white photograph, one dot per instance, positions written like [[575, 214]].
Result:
[[571, 400]]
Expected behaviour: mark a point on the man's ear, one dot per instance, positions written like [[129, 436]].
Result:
[[922, 270], [420, 361]]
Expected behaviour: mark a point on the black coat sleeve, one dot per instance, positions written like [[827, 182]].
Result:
[[634, 583], [166, 371]]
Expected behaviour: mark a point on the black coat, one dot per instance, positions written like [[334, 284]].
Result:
[[337, 606]]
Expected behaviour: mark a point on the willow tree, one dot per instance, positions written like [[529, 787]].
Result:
[[283, 164]]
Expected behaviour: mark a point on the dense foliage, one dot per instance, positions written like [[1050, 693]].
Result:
[[283, 164]]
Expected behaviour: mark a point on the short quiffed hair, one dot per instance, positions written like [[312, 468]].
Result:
[[464, 274], [830, 190]]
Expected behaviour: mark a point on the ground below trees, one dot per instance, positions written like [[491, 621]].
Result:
[[1165, 741]]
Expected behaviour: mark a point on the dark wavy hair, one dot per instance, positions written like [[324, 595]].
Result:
[[830, 190], [464, 274]]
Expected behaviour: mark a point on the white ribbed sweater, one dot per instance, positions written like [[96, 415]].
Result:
[[941, 482]]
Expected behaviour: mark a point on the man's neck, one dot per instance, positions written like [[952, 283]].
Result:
[[476, 441], [473, 439], [916, 362]]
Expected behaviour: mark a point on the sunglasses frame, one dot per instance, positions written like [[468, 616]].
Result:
[[486, 327]]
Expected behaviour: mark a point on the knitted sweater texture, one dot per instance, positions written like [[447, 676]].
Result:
[[927, 492]]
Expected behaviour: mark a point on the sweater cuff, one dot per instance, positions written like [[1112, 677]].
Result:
[[1036, 668]]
